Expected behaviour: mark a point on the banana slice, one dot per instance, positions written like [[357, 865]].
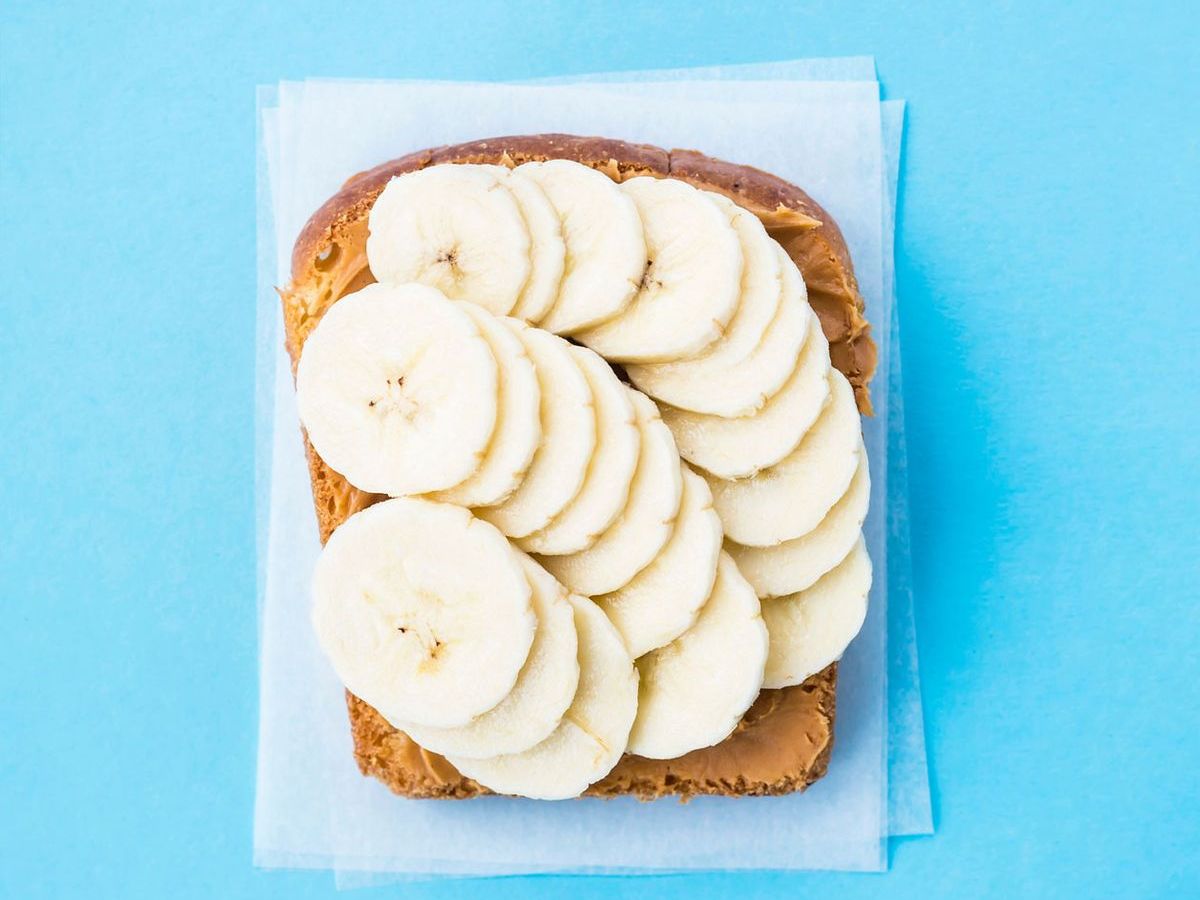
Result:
[[606, 487], [568, 438], [695, 690], [518, 423], [717, 385], [398, 391], [544, 688], [703, 382], [791, 497], [592, 735], [423, 610], [644, 526], [692, 281], [663, 600], [456, 228], [605, 249], [797, 564], [548, 250], [812, 628], [738, 447]]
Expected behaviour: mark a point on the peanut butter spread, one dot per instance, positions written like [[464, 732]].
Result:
[[784, 741]]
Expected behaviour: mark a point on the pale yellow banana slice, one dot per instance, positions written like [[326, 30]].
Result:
[[737, 447], [518, 423], [715, 381], [605, 249], [424, 611], [790, 498], [797, 564], [456, 228], [568, 438], [592, 735], [695, 690], [398, 391], [544, 688], [692, 281], [663, 600], [644, 526], [548, 250], [812, 628], [606, 487]]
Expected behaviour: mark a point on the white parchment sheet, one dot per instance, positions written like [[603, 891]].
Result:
[[313, 807], [909, 807]]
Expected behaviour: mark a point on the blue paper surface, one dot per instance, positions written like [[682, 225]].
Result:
[[1047, 264]]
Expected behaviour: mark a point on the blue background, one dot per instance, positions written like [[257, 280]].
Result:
[[1049, 229]]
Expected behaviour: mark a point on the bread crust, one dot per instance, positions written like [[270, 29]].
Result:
[[784, 742]]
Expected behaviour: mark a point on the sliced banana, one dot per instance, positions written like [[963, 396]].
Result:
[[644, 526], [610, 473], [456, 228], [812, 628], [548, 250], [398, 391], [692, 280], [695, 690], [592, 735], [544, 688], [423, 610], [737, 447], [708, 385], [704, 382], [790, 498], [797, 564], [518, 423], [605, 249], [663, 600], [568, 438]]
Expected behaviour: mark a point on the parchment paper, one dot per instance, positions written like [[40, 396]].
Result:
[[314, 809], [909, 807]]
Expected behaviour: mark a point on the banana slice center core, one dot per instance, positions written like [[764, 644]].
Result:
[[650, 282], [416, 617], [449, 259], [395, 400]]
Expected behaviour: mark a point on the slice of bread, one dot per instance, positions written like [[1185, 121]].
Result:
[[784, 742]]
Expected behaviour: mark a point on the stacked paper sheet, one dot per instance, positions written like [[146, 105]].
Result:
[[818, 123]]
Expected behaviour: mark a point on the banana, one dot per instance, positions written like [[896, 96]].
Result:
[[548, 250], [398, 391], [606, 486], [518, 423], [790, 498], [797, 564], [695, 690], [592, 735], [691, 284], [716, 381], [663, 600], [568, 438], [545, 686], [812, 628], [738, 447], [456, 228], [644, 526], [424, 611], [605, 248]]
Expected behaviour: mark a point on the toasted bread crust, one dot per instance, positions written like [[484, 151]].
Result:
[[785, 740], [782, 745]]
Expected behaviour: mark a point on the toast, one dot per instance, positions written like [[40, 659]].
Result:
[[784, 741]]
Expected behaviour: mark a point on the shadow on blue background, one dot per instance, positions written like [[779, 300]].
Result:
[[1047, 270]]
